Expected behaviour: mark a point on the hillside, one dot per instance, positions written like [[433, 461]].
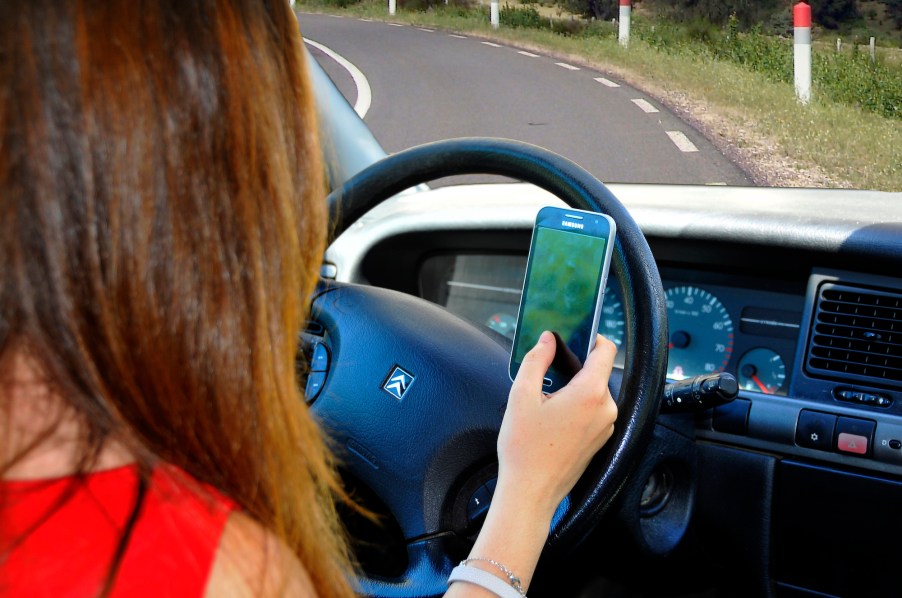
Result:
[[854, 20]]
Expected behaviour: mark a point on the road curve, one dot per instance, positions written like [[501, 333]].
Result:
[[428, 85]]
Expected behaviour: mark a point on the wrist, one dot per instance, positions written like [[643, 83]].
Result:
[[514, 533], [526, 498]]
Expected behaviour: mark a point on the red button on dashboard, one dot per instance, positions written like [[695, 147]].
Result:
[[852, 443]]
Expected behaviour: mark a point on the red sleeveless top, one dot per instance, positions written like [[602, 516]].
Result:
[[48, 548]]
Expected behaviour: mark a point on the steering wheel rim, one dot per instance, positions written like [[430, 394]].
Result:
[[643, 299]]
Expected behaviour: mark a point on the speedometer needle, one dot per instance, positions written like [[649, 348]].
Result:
[[760, 384]]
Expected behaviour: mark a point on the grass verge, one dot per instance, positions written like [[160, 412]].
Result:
[[751, 118]]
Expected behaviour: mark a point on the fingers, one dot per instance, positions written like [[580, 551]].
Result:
[[535, 364], [597, 369]]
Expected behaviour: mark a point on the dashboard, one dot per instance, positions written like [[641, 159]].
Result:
[[796, 483]]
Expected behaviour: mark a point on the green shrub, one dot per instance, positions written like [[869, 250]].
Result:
[[850, 77], [522, 17], [337, 3], [853, 79], [452, 6]]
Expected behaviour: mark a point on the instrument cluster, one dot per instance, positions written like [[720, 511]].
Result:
[[717, 322]]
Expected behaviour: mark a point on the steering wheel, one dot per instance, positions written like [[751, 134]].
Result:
[[414, 396]]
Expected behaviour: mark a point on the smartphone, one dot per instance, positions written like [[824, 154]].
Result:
[[569, 259]]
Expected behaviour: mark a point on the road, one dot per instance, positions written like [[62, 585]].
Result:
[[428, 85]]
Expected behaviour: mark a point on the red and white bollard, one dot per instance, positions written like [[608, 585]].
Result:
[[625, 9], [801, 18]]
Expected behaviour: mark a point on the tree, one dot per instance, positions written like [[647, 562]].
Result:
[[832, 14], [894, 11]]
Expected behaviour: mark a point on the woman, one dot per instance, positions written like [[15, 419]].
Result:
[[162, 224]]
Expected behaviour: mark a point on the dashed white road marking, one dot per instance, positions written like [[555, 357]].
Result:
[[606, 82], [645, 106], [491, 44], [364, 92], [569, 67], [681, 141], [365, 20], [527, 54], [336, 16], [716, 184], [426, 30], [457, 36], [396, 24]]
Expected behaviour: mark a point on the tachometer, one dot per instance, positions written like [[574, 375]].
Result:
[[701, 333]]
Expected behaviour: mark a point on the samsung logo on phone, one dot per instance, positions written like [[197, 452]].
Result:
[[573, 224]]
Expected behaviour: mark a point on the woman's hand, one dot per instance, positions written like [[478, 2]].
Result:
[[547, 441], [545, 444]]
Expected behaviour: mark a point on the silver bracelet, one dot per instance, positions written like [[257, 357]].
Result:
[[512, 579], [485, 580]]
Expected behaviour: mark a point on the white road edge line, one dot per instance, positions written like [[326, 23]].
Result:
[[569, 67], [457, 36], [681, 141], [527, 54], [396, 24], [426, 30], [364, 92], [491, 44], [606, 82], [645, 106]]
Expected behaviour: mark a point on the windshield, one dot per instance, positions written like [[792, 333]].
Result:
[[643, 92]]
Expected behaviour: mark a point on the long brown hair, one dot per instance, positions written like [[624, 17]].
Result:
[[161, 222]]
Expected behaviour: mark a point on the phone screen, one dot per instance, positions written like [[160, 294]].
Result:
[[560, 294]]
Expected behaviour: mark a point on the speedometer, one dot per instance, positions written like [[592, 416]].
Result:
[[613, 322], [701, 333]]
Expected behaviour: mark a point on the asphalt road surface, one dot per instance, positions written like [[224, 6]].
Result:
[[416, 85]]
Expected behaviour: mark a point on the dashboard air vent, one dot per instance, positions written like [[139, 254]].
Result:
[[857, 334]]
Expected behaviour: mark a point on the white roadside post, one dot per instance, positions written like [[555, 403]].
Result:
[[625, 10], [392, 7], [496, 16], [801, 18], [873, 50]]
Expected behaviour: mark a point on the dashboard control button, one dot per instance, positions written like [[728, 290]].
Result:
[[733, 417], [315, 383], [852, 443], [862, 398], [815, 430], [319, 362], [854, 435], [895, 444]]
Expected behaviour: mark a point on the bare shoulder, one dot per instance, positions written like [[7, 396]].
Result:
[[251, 561]]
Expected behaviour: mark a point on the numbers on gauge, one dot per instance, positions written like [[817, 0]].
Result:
[[701, 333]]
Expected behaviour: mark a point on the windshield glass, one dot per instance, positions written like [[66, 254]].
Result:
[[651, 91]]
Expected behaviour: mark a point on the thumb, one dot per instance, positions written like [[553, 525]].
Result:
[[535, 364]]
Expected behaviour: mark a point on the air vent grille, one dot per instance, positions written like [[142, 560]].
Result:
[[857, 333]]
